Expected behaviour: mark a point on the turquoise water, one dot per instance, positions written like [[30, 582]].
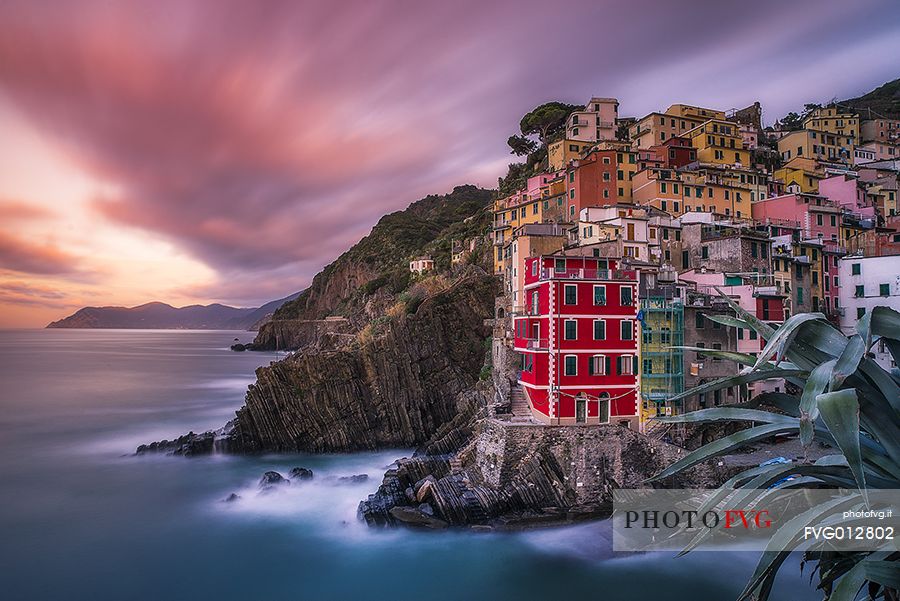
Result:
[[81, 519]]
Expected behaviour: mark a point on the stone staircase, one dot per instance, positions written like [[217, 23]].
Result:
[[518, 402]]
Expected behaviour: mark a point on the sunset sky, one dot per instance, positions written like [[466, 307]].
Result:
[[195, 152]]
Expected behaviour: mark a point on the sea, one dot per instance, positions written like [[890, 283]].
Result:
[[82, 517]]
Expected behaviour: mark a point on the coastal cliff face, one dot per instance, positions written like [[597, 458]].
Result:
[[514, 475], [360, 284], [396, 387]]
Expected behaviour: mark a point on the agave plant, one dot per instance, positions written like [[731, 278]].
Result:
[[848, 402]]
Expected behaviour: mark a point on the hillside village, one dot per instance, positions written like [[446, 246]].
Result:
[[617, 247]]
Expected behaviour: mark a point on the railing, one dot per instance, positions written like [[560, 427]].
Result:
[[538, 344], [589, 274]]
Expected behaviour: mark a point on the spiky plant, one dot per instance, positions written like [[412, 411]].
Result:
[[848, 402]]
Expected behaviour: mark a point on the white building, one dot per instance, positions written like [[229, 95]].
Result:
[[868, 282], [421, 265]]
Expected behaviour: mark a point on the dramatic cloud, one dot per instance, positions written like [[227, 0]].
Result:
[[26, 257], [262, 139]]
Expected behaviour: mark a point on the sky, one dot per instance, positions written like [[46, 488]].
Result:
[[196, 152]]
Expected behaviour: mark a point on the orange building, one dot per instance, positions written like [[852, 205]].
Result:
[[591, 182]]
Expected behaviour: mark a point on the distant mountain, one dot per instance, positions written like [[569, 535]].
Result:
[[880, 102], [160, 316]]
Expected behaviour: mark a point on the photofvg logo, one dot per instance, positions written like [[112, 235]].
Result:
[[757, 519]]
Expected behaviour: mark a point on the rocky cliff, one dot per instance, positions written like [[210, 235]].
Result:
[[395, 387], [365, 280], [397, 383]]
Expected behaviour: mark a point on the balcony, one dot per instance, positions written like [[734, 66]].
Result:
[[537, 344], [589, 274]]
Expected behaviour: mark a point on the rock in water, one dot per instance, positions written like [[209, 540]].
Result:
[[270, 480], [412, 516], [232, 498], [301, 473], [354, 479]]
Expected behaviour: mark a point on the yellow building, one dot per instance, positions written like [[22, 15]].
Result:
[[835, 121], [694, 112], [679, 192], [523, 208], [559, 153], [803, 172], [819, 145], [719, 142]]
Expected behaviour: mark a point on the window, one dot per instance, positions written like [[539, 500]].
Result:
[[625, 296], [752, 334], [625, 365], [647, 336], [884, 289], [704, 252], [855, 269], [717, 346], [860, 311], [571, 330], [534, 303], [571, 294], [648, 366], [627, 329], [754, 249], [559, 265], [740, 333], [698, 321], [599, 329], [597, 366], [860, 291], [527, 362], [799, 296], [600, 295], [700, 355], [571, 365]]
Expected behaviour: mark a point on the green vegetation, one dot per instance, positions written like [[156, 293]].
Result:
[[547, 122], [847, 402], [380, 260], [883, 101]]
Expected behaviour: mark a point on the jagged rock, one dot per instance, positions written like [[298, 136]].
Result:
[[397, 389], [412, 516], [354, 479], [301, 473], [232, 498], [238, 347], [423, 488], [426, 508], [413, 384], [271, 480]]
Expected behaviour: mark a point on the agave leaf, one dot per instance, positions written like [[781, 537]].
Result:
[[885, 322], [727, 320], [723, 446], [753, 376], [742, 358], [886, 385], [764, 330], [728, 413], [847, 362], [783, 336], [840, 412], [815, 384], [780, 400], [786, 538], [884, 573], [850, 583], [864, 329]]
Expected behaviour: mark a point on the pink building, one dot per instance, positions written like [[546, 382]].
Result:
[[816, 216], [848, 193]]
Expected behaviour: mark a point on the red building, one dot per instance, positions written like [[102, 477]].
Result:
[[675, 152], [578, 339], [591, 182]]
